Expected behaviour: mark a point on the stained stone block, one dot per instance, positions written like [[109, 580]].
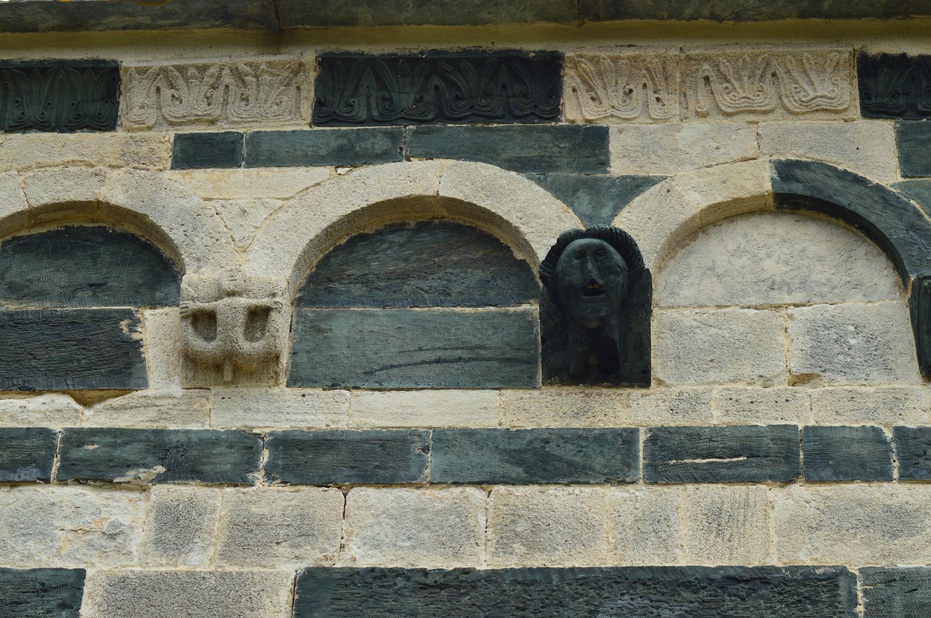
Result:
[[204, 150], [750, 454], [330, 147], [846, 454], [722, 592], [146, 456], [893, 85], [913, 451], [896, 593], [914, 141], [41, 593], [27, 454], [343, 457], [529, 456], [596, 200], [81, 349]]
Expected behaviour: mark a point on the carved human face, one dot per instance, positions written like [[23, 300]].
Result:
[[591, 280]]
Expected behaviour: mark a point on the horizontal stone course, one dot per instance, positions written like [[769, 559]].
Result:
[[205, 150], [324, 147], [846, 454], [41, 593]]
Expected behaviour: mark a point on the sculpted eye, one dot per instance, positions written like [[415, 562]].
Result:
[[601, 253], [577, 255]]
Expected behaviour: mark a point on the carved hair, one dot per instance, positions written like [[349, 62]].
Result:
[[620, 240]]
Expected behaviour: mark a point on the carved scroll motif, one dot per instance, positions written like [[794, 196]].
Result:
[[895, 85], [623, 87]]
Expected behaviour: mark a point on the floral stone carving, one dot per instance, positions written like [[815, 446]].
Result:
[[894, 85]]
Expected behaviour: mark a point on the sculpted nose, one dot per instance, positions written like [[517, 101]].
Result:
[[591, 271]]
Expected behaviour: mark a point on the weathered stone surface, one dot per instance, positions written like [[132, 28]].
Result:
[[249, 408], [851, 344], [879, 524], [249, 184], [180, 526], [41, 593], [174, 409], [531, 456], [885, 405], [673, 148], [40, 411], [344, 457], [81, 349], [646, 522], [163, 347], [27, 454], [776, 258], [596, 199], [750, 454], [437, 87], [725, 525], [203, 150], [425, 264], [724, 345], [145, 456], [770, 406], [549, 526], [914, 141], [406, 348], [183, 96], [893, 85], [918, 190], [891, 593], [441, 528], [169, 594], [723, 592], [542, 149], [245, 217], [30, 151], [725, 11], [913, 452], [669, 406], [51, 188], [279, 527], [423, 409], [846, 454], [301, 148]]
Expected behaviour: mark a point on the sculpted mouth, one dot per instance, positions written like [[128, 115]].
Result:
[[593, 289]]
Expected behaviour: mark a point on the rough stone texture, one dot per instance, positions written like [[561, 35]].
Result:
[[41, 593], [532, 456], [723, 592], [244, 217], [646, 522], [566, 149], [913, 451], [180, 526], [881, 524], [82, 349], [846, 454], [914, 141], [249, 184], [725, 525], [347, 457], [27, 454], [423, 409], [205, 150], [884, 405], [750, 454], [669, 406], [12, 188], [441, 528], [917, 190], [851, 344], [407, 348], [549, 526], [776, 258], [770, 406], [321, 147], [40, 411], [295, 13], [145, 456], [892, 85], [279, 527], [892, 593], [59, 526], [725, 345], [669, 149], [173, 409], [170, 594], [147, 151], [596, 199], [163, 347], [255, 408], [49, 188]]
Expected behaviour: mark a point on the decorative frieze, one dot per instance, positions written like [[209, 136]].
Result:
[[236, 94], [894, 85]]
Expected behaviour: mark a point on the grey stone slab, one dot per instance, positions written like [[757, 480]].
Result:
[[597, 200], [846, 454], [41, 593], [699, 592], [324, 147], [918, 190], [914, 140], [750, 454], [740, 10], [893, 85], [409, 348], [146, 456], [207, 150], [342, 457], [565, 149], [896, 593], [85, 266], [526, 456], [71, 349], [913, 452], [423, 264], [27, 454]]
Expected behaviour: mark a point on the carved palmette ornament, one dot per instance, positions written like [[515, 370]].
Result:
[[234, 324], [623, 87]]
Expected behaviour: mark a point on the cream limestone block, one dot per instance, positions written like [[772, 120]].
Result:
[[12, 197], [39, 411], [725, 525], [280, 527], [245, 217], [35, 150], [866, 147], [249, 184], [762, 406], [647, 524], [62, 185], [163, 347], [279, 408], [670, 149], [169, 409], [180, 526], [126, 593], [883, 405], [563, 407], [401, 527], [718, 346], [424, 408], [727, 190], [852, 344], [877, 524], [550, 526], [57, 526], [669, 406]]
